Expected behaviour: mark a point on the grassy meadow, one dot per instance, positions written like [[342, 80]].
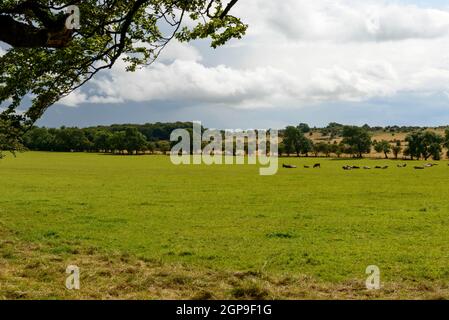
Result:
[[140, 227]]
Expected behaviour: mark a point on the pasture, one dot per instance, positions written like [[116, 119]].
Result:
[[140, 227]]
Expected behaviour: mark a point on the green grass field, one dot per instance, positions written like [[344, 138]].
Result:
[[140, 227]]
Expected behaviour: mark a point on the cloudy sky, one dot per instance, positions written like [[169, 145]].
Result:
[[349, 61]]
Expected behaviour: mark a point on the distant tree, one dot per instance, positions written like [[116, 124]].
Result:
[[424, 144], [305, 145], [357, 139], [102, 140], [304, 128], [151, 146], [382, 146], [134, 141], [333, 148], [315, 150], [333, 129], [321, 148], [70, 139], [291, 139], [39, 139], [446, 142], [397, 148], [414, 145], [432, 145], [281, 149], [434, 150], [295, 141], [163, 146], [117, 142], [366, 127], [328, 149]]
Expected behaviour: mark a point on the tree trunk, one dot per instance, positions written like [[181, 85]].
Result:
[[22, 35]]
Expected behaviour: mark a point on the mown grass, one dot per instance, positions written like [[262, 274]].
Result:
[[304, 233]]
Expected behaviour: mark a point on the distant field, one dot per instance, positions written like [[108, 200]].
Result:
[[140, 227]]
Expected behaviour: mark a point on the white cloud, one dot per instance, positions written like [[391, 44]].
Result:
[[74, 99], [297, 52], [346, 20], [369, 79], [192, 81], [221, 85], [176, 50]]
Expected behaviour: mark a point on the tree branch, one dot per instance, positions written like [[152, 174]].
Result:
[[18, 34], [228, 8]]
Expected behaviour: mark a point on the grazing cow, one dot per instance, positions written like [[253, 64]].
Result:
[[289, 166], [419, 167], [306, 167], [355, 167], [317, 165], [377, 167], [386, 167], [402, 165], [347, 168], [367, 168], [430, 165]]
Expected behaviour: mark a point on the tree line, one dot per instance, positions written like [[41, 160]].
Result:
[[118, 139], [335, 140], [357, 141]]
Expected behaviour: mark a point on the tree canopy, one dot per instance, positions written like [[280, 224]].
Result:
[[296, 142], [357, 139], [382, 146], [46, 60], [424, 144]]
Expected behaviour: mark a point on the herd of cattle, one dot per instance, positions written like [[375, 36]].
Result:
[[318, 165]]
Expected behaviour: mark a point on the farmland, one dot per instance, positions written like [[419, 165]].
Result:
[[140, 227]]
